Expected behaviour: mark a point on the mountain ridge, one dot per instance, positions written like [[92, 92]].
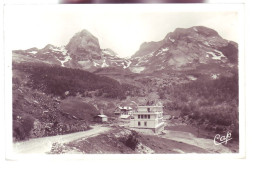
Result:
[[182, 49], [185, 48]]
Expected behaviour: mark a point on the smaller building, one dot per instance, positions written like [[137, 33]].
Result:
[[123, 110], [124, 117], [100, 118]]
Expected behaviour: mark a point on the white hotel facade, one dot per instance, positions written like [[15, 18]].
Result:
[[148, 117]]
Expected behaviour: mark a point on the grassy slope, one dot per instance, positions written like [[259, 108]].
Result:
[[63, 82], [37, 114], [78, 108]]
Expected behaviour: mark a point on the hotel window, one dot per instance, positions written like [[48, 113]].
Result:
[[138, 116], [139, 123], [148, 116], [145, 116], [148, 109], [142, 116], [145, 123]]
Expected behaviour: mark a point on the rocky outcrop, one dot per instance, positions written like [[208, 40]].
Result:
[[185, 49], [84, 46]]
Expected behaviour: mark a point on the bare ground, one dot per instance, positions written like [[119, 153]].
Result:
[[189, 134], [105, 139], [111, 143], [188, 138], [44, 144]]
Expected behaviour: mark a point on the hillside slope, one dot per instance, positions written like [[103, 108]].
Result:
[[41, 104], [125, 141], [63, 82]]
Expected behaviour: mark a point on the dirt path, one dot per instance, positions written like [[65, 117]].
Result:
[[188, 138], [43, 145]]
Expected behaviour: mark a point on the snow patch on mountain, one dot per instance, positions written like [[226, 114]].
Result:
[[84, 62], [142, 59], [33, 52], [165, 49], [214, 56], [96, 64], [217, 55], [162, 51], [63, 50], [172, 40], [128, 63], [214, 76], [138, 69], [190, 77], [104, 64], [56, 49], [220, 53], [67, 58], [195, 29]]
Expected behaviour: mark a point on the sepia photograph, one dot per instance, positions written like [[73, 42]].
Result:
[[135, 80]]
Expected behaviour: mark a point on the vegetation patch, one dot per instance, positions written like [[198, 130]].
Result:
[[64, 82]]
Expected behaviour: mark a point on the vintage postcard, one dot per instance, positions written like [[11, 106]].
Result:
[[124, 79]]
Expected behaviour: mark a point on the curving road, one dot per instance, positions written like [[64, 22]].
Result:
[[44, 144]]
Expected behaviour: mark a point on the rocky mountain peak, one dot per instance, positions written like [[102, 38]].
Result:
[[84, 46], [193, 33], [202, 30], [185, 48], [84, 32], [49, 46]]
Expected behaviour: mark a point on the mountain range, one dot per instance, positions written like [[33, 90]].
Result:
[[83, 52], [183, 49]]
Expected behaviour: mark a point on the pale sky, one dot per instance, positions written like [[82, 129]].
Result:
[[122, 30]]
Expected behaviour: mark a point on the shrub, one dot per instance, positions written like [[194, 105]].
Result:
[[131, 141], [22, 128]]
